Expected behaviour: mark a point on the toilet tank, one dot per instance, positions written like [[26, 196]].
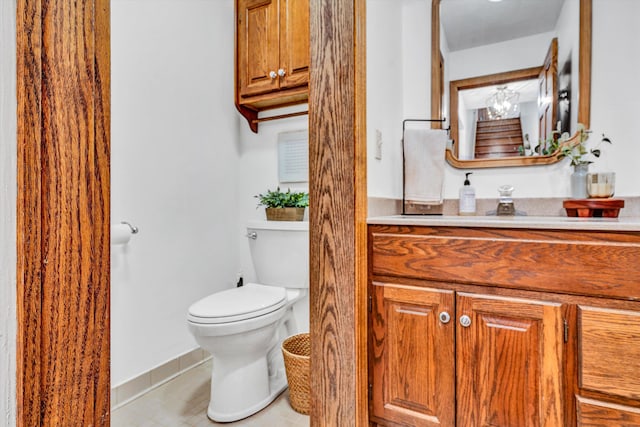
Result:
[[280, 252]]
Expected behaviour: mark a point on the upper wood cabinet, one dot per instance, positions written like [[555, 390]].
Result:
[[272, 55]]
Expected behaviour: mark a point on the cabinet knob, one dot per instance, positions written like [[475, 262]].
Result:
[[273, 75], [444, 317], [465, 321], [281, 72]]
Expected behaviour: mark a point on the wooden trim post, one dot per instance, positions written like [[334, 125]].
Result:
[[337, 169], [63, 212]]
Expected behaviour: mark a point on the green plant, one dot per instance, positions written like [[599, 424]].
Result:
[[579, 153], [279, 199]]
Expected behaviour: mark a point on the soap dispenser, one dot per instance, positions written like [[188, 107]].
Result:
[[467, 202]]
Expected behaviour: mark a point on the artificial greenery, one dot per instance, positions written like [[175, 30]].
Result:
[[579, 153], [279, 199]]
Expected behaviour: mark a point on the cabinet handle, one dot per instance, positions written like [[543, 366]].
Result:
[[273, 75], [465, 321], [281, 72], [444, 317]]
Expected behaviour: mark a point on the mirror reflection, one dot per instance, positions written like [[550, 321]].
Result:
[[509, 77], [499, 120]]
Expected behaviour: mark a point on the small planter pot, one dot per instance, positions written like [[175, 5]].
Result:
[[285, 214], [579, 181]]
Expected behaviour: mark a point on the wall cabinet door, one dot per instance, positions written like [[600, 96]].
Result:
[[294, 43], [509, 362], [273, 46], [258, 46], [412, 355]]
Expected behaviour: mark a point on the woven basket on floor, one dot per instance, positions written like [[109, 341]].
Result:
[[297, 351]]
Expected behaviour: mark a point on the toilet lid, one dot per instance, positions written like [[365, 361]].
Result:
[[232, 305]]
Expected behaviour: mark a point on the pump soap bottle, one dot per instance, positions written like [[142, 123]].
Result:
[[467, 203]]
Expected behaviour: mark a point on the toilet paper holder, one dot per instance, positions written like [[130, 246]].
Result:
[[133, 228]]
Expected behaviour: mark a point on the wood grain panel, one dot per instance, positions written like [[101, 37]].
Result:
[[257, 46], [101, 215], [294, 42], [584, 66], [509, 362], [29, 212], [594, 413], [412, 355], [540, 260], [337, 170], [63, 105], [609, 349]]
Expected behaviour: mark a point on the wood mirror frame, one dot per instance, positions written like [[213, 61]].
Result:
[[584, 93]]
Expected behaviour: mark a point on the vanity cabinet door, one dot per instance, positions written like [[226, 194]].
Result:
[[412, 356], [509, 362], [608, 367]]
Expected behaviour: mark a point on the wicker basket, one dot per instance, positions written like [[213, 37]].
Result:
[[297, 351]]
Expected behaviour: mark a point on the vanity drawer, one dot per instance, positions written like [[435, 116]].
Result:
[[609, 351], [594, 413], [544, 260]]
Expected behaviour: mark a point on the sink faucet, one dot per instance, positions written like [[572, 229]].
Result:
[[505, 204]]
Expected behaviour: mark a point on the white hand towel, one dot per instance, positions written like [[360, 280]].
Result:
[[424, 165]]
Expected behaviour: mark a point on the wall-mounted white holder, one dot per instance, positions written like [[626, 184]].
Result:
[[121, 233]]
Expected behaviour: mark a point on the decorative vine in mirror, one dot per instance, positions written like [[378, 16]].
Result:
[[581, 98]]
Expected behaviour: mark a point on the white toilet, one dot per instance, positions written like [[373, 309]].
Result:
[[244, 327]]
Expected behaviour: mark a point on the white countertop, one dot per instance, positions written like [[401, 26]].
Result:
[[537, 222]]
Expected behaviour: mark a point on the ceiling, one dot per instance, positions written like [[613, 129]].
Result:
[[472, 23], [477, 98]]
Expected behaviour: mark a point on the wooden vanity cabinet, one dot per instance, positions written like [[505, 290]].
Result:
[[272, 55], [438, 356], [548, 344]]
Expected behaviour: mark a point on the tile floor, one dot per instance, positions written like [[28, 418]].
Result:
[[183, 402]]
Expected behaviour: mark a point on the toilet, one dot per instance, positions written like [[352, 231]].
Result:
[[243, 327]]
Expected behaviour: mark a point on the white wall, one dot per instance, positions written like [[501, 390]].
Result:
[[384, 96], [416, 57], [615, 90], [7, 212], [175, 170], [614, 105], [258, 172]]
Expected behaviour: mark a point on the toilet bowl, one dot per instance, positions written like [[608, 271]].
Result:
[[244, 327]]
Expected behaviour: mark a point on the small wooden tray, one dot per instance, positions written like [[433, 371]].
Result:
[[593, 208]]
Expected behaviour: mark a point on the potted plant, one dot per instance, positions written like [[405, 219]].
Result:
[[581, 157], [281, 206]]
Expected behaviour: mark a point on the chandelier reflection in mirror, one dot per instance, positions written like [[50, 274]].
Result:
[[503, 104]]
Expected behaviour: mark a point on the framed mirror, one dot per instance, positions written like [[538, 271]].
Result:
[[552, 93]]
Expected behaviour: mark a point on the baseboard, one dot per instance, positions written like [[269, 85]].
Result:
[[143, 383]]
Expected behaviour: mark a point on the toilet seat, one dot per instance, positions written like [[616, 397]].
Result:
[[236, 304]]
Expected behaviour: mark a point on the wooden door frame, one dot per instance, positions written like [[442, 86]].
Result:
[[337, 231], [62, 230], [63, 235]]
